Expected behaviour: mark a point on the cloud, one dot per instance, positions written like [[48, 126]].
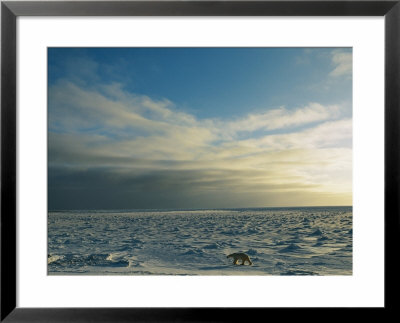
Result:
[[113, 188], [328, 134], [283, 118], [109, 108], [343, 62], [123, 150], [77, 109]]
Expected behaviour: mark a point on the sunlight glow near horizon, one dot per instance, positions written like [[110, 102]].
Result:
[[199, 127]]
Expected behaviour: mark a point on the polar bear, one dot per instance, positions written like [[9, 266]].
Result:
[[239, 255]]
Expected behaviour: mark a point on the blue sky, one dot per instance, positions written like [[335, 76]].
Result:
[[199, 127]]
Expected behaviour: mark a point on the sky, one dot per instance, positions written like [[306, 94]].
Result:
[[167, 128]]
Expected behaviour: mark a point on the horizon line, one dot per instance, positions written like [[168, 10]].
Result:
[[198, 209]]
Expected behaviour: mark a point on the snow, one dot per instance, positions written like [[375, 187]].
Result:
[[279, 241]]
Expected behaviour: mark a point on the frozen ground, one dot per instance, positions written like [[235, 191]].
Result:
[[279, 241]]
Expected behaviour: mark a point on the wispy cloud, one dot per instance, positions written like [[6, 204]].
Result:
[[342, 62], [280, 118]]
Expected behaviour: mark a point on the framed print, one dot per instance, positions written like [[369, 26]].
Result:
[[193, 160]]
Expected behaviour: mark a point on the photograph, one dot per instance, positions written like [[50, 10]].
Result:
[[199, 161]]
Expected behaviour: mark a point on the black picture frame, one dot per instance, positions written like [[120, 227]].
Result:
[[10, 10]]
